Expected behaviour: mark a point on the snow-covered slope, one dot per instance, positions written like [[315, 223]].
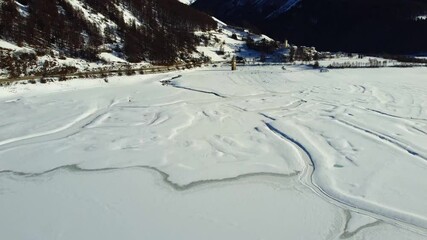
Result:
[[92, 16], [226, 41], [188, 2], [258, 153], [13, 47]]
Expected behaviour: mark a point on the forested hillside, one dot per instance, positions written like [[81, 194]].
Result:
[[158, 31]]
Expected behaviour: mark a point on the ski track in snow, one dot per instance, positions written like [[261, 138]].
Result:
[[206, 128]]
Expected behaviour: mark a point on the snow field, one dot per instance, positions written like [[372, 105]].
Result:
[[260, 153]]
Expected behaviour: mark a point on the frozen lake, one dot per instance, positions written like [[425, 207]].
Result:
[[260, 153]]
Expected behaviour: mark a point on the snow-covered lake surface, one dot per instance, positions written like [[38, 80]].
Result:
[[260, 153]]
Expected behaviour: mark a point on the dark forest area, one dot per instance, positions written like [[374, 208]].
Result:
[[365, 26]]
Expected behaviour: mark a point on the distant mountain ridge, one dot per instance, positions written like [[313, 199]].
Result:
[[267, 8], [370, 26]]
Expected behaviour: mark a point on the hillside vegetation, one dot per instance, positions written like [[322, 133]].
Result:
[[158, 31]]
